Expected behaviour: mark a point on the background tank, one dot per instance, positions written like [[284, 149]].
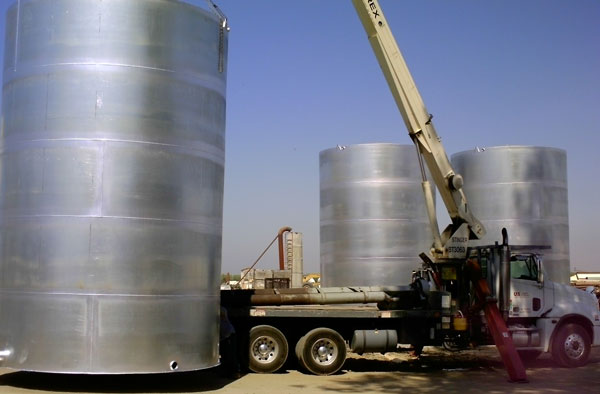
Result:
[[111, 186], [522, 188], [373, 218]]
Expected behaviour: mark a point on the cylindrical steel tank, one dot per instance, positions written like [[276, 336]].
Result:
[[111, 189], [373, 218], [522, 188]]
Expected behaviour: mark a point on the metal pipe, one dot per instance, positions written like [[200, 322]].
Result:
[[223, 28], [431, 214], [319, 298], [505, 276], [280, 239], [220, 14]]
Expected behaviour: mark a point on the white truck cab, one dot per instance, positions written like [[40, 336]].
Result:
[[545, 316]]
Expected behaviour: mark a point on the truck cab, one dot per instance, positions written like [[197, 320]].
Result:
[[541, 315], [529, 298]]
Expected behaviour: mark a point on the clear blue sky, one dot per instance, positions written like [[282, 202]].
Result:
[[302, 78]]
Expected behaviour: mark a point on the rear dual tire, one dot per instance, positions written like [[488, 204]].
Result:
[[267, 350], [321, 351]]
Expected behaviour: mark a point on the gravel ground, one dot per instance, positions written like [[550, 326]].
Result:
[[472, 371]]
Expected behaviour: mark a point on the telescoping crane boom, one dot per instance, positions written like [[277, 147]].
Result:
[[453, 241]]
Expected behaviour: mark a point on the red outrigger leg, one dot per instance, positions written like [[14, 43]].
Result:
[[501, 335]]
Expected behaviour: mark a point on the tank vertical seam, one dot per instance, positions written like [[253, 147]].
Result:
[[90, 246], [92, 330], [95, 333], [17, 34], [101, 185], [39, 245], [47, 96], [39, 251], [43, 167]]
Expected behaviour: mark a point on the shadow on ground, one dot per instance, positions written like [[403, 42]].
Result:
[[199, 381], [441, 361], [437, 371], [465, 372]]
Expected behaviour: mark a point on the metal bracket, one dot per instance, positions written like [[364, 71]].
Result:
[[5, 353], [223, 28]]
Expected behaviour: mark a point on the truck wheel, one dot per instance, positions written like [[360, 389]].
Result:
[[298, 350], [571, 346], [322, 352], [268, 349]]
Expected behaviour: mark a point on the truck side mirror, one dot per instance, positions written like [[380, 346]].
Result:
[[540, 270]]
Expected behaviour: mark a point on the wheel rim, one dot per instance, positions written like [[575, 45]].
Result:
[[265, 349], [574, 346], [324, 351]]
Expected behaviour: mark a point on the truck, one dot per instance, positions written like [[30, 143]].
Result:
[[463, 295]]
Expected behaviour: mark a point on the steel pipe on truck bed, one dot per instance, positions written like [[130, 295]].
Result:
[[319, 298], [312, 296]]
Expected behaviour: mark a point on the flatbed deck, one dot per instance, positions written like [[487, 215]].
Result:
[[369, 311]]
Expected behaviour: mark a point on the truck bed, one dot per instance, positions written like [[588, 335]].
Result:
[[336, 311]]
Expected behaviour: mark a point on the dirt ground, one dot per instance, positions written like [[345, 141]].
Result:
[[473, 371]]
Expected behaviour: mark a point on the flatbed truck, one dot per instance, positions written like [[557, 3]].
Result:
[[316, 324], [463, 295], [317, 327]]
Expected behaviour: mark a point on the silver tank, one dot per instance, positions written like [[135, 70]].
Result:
[[373, 218], [111, 186], [522, 188]]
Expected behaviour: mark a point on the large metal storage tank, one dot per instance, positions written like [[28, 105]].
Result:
[[373, 218], [522, 188], [111, 186]]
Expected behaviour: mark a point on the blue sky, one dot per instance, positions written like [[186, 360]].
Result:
[[302, 78]]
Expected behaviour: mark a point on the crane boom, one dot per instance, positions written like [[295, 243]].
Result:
[[421, 130], [452, 246]]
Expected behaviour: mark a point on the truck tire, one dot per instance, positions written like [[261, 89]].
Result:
[[322, 351], [267, 350], [571, 346], [298, 350]]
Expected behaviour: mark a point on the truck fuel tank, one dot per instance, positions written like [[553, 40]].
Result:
[[369, 341]]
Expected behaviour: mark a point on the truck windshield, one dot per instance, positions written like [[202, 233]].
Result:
[[523, 267]]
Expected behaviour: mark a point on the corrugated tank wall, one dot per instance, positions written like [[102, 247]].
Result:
[[111, 191], [373, 220], [522, 188]]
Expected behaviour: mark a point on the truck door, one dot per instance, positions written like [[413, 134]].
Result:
[[526, 293]]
